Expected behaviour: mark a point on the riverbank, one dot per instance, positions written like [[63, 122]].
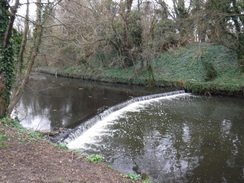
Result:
[[26, 157], [205, 69]]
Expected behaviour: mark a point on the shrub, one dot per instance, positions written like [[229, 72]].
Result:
[[95, 158], [211, 73], [133, 176]]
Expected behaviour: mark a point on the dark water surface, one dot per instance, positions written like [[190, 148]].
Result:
[[50, 103], [180, 138]]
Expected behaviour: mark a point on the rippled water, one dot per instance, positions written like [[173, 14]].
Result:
[[185, 138]]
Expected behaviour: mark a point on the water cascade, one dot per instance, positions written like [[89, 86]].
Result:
[[81, 129]]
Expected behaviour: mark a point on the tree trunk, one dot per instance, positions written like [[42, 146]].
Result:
[[11, 23], [2, 99], [23, 44], [37, 41]]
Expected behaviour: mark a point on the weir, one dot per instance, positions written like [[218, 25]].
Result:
[[78, 131], [172, 137]]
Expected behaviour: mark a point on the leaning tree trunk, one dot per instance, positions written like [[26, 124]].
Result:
[[17, 92], [20, 61]]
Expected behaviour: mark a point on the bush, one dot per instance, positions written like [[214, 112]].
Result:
[[211, 73], [133, 176]]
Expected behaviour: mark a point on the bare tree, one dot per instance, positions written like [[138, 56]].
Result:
[[118, 33], [42, 12], [23, 44]]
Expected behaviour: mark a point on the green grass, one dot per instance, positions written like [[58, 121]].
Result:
[[187, 64], [95, 158], [133, 176], [61, 146], [146, 181], [3, 138], [24, 135], [11, 123], [198, 68]]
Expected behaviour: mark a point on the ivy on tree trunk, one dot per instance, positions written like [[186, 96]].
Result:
[[6, 56]]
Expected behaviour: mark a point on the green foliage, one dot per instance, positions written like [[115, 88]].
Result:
[[146, 181], [125, 40], [122, 36], [32, 133], [95, 158], [211, 73], [165, 35], [135, 28], [3, 138], [241, 64], [16, 42], [109, 166], [61, 146], [11, 123], [220, 30], [136, 177], [4, 14], [7, 54], [240, 51], [7, 67], [182, 68], [133, 176], [23, 133], [151, 79]]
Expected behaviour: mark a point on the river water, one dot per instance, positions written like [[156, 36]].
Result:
[[176, 138], [50, 103]]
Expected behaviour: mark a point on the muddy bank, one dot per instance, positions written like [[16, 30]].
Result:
[[26, 158]]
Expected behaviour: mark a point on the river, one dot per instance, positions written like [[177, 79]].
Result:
[[174, 138]]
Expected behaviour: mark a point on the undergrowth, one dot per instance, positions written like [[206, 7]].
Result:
[[23, 134], [198, 68], [3, 138], [61, 146], [133, 176], [95, 158]]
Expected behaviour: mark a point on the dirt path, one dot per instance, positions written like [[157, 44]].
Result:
[[24, 158]]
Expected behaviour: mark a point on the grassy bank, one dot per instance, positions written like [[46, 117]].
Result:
[[208, 69]]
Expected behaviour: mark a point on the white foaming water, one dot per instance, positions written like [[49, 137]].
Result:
[[93, 133]]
